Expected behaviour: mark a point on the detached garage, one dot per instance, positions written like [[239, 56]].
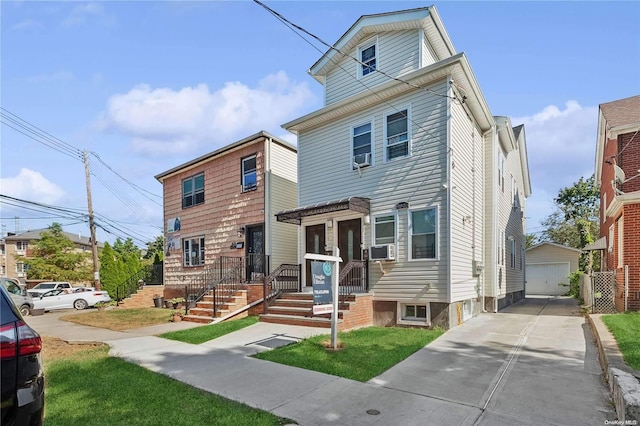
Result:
[[548, 267]]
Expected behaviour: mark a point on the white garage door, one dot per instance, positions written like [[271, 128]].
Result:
[[548, 279]]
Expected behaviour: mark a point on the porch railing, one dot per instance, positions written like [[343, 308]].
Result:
[[285, 277], [147, 275], [257, 267], [353, 278], [221, 281]]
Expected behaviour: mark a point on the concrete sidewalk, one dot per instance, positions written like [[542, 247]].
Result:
[[534, 363]]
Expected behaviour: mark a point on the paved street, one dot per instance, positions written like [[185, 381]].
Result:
[[534, 363]]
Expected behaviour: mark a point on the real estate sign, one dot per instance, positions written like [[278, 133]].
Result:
[[321, 273]]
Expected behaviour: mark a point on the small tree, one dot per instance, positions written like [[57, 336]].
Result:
[[54, 257]]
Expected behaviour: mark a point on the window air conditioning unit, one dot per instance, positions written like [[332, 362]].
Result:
[[362, 160], [384, 252]]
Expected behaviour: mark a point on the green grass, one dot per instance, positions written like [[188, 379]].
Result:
[[367, 352], [121, 319], [91, 388], [205, 333], [626, 329]]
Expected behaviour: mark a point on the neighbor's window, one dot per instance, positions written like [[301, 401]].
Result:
[[193, 191], [249, 174], [367, 58], [20, 267], [397, 135], [385, 230], [22, 245], [361, 145], [415, 313], [424, 228], [621, 242], [513, 253], [193, 249], [501, 172]]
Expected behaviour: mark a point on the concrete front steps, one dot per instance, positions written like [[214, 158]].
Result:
[[143, 298], [203, 311], [297, 309]]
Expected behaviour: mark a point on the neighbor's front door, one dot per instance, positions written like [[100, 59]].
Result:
[[314, 243], [255, 252]]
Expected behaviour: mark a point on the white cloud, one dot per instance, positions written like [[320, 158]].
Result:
[[57, 77], [31, 185], [80, 15], [27, 24], [561, 146], [164, 121]]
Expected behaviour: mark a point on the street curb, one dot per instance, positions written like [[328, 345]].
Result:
[[622, 379]]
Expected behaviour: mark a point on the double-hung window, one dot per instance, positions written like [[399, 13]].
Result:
[[501, 172], [361, 137], [513, 252], [384, 229], [193, 191], [367, 54], [249, 174], [397, 135], [424, 233], [193, 249]]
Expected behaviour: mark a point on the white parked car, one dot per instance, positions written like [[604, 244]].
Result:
[[59, 299], [42, 288]]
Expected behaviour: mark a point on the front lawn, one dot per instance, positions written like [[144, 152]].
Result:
[[626, 329], [121, 319], [367, 352], [91, 388], [205, 333]]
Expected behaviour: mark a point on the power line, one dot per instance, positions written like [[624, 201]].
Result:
[[139, 189]]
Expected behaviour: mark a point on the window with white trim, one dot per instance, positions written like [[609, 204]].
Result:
[[424, 233], [249, 173], [193, 191], [384, 229], [20, 267], [513, 253], [414, 313], [22, 246], [514, 192], [621, 242], [397, 135], [367, 54], [193, 249], [501, 243], [610, 242], [361, 137]]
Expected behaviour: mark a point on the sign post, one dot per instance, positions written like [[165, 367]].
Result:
[[324, 271]]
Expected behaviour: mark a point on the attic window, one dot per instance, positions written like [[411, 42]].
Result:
[[367, 57]]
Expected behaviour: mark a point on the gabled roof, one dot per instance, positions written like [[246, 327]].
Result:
[[36, 233], [549, 243], [224, 150], [521, 142], [615, 118], [426, 18], [623, 112]]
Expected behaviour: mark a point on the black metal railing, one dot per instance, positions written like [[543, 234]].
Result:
[[285, 277], [221, 280], [257, 267], [147, 275], [353, 278]]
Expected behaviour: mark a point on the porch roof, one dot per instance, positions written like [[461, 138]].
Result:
[[600, 244], [356, 204]]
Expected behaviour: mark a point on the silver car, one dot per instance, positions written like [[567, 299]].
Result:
[[18, 294]]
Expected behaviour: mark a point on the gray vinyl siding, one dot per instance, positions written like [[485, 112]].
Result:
[[514, 223], [428, 54], [283, 237], [326, 174], [491, 234], [397, 53], [467, 185]]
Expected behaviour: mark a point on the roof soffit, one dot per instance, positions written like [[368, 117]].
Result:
[[456, 67], [426, 19]]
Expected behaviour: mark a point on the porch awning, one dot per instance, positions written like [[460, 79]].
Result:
[[600, 244], [356, 204]]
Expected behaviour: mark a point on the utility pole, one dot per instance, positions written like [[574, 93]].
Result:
[[92, 225]]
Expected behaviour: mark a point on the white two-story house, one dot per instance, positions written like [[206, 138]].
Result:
[[407, 171]]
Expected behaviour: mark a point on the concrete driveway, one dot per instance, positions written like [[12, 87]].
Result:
[[533, 363]]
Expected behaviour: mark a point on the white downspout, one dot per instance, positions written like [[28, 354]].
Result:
[[482, 273]]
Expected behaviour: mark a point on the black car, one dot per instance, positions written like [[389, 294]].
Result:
[[22, 377]]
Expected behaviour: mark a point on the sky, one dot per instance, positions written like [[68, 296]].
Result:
[[148, 85]]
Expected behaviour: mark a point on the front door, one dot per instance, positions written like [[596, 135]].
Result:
[[315, 242], [349, 240], [255, 253]]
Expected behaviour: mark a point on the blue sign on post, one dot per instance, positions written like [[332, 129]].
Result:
[[321, 273]]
